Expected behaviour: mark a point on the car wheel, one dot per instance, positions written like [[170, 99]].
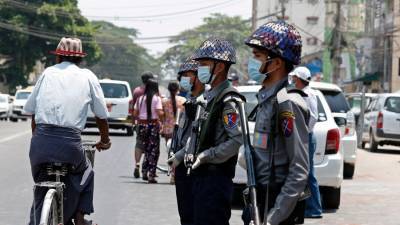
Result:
[[373, 145], [13, 120], [348, 171], [363, 144], [330, 198], [129, 131], [24, 119]]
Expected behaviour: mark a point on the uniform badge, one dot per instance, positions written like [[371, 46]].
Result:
[[287, 123], [260, 140], [230, 120]]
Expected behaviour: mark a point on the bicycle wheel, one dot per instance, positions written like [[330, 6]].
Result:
[[49, 215]]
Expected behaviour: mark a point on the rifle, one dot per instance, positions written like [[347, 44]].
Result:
[[174, 141], [192, 144], [248, 149]]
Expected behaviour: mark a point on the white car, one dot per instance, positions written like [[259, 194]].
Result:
[[328, 158], [4, 106], [346, 121], [21, 97], [119, 101], [382, 122]]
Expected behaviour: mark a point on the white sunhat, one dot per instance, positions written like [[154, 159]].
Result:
[[302, 73]]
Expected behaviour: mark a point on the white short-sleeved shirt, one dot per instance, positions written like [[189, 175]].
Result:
[[63, 94], [312, 104], [141, 106]]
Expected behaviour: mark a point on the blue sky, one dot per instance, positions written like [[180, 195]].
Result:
[[155, 18]]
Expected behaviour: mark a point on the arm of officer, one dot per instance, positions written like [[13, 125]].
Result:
[[295, 136], [230, 147]]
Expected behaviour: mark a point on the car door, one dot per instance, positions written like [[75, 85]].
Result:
[[367, 119], [391, 115]]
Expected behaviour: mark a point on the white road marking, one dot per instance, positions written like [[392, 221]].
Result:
[[17, 135]]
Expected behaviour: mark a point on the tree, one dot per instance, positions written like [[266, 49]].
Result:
[[233, 29], [123, 59], [29, 30]]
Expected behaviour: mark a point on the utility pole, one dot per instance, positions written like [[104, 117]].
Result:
[[337, 44], [283, 9], [254, 16]]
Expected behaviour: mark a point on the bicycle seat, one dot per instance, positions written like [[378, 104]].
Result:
[[56, 168]]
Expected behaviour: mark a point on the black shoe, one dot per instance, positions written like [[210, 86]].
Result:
[[144, 177], [136, 173]]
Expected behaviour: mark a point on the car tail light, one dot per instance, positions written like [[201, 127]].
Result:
[[130, 110], [350, 124], [379, 121], [332, 141]]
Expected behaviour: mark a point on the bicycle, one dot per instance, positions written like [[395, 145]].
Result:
[[52, 209]]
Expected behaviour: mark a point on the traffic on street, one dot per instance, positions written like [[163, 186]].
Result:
[[369, 198], [262, 112]]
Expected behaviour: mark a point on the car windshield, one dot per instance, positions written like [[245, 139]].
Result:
[[251, 101], [3, 99], [336, 101], [355, 102], [114, 90], [392, 104], [22, 95]]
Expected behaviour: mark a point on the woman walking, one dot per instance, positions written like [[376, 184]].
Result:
[[148, 110]]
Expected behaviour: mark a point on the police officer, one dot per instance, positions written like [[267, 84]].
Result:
[[300, 78], [281, 135], [220, 136], [187, 76]]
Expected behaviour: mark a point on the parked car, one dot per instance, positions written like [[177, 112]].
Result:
[[345, 120], [4, 106], [328, 158], [382, 122], [119, 102], [21, 97], [354, 100]]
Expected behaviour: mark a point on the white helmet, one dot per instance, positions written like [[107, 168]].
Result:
[[302, 73]]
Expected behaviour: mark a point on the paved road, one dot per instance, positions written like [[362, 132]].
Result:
[[371, 198]]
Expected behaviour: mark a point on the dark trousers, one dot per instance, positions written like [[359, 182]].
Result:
[[184, 195], [150, 136], [296, 217], [212, 199]]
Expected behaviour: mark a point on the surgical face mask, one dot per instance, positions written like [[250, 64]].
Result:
[[253, 69], [185, 84], [204, 74]]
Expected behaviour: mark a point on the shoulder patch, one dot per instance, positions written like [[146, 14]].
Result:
[[230, 119], [287, 118]]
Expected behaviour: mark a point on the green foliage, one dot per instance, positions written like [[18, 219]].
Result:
[[36, 28], [233, 29], [123, 59]]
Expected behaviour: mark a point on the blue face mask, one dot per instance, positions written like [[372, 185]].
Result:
[[253, 69], [185, 84], [204, 74]]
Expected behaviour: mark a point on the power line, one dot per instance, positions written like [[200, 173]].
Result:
[[33, 8]]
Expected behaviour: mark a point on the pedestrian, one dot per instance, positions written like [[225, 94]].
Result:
[[300, 78], [190, 83], [170, 107], [220, 135], [139, 148], [57, 127], [281, 133], [148, 109]]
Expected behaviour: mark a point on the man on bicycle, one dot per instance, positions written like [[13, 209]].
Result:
[[59, 104]]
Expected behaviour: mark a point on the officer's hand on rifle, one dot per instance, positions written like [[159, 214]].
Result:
[[173, 161], [198, 161]]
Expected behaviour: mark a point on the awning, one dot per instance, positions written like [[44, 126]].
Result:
[[367, 78]]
